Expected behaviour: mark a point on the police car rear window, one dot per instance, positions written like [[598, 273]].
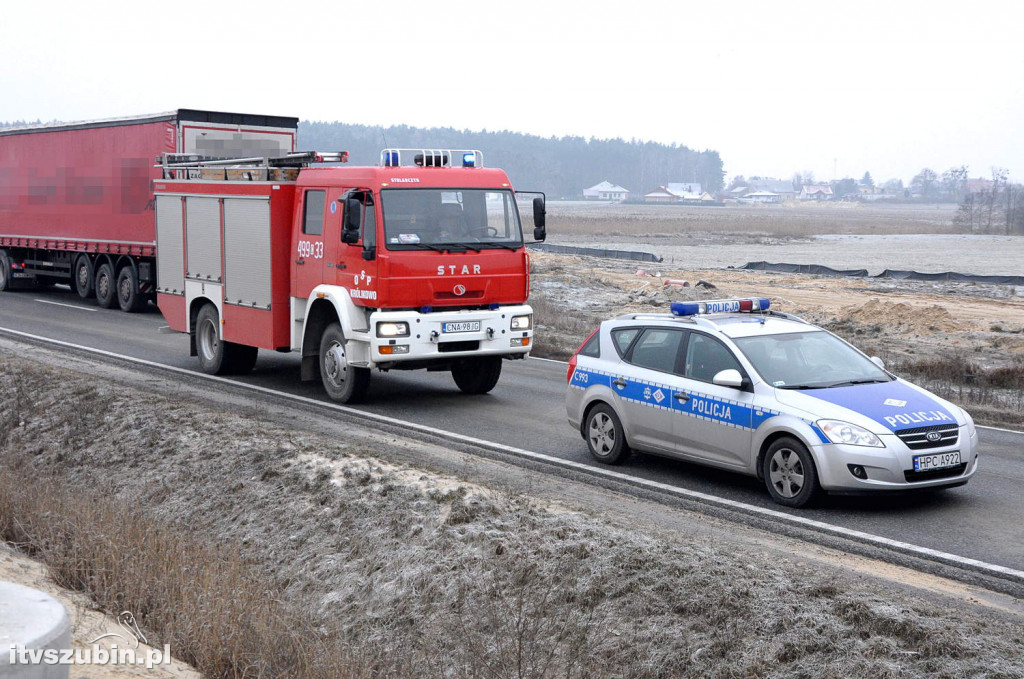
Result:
[[657, 349], [623, 337], [592, 347]]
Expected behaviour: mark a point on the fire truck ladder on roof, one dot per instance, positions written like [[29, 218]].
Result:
[[192, 166]]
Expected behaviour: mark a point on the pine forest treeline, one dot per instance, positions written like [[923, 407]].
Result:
[[561, 167]]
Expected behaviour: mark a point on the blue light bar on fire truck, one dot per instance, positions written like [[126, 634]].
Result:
[[430, 158], [717, 306]]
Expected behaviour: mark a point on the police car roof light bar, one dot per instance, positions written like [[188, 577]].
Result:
[[716, 306], [431, 157]]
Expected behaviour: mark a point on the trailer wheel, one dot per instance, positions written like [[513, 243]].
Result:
[[477, 375], [83, 277], [217, 357], [342, 382], [106, 287], [5, 272], [128, 296]]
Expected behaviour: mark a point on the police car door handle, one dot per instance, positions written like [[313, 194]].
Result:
[[681, 397], [620, 383]]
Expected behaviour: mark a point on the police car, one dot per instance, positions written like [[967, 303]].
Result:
[[735, 385]]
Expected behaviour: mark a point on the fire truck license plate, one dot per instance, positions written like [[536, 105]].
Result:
[[923, 463], [462, 326]]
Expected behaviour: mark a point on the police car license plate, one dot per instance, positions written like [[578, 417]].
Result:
[[924, 463], [461, 326]]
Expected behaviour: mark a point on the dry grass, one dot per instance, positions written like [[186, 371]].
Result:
[[259, 551], [787, 221]]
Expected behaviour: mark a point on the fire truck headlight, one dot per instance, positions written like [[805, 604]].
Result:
[[392, 329], [522, 322]]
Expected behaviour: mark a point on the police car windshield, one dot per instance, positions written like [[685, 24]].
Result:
[[474, 219], [808, 360]]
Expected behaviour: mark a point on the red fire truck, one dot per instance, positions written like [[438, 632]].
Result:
[[419, 262], [76, 200]]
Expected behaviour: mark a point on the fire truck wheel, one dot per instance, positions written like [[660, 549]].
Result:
[[106, 293], [477, 375], [342, 382], [83, 277], [208, 343], [128, 296]]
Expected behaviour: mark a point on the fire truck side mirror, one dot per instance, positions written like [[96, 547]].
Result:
[[353, 221], [539, 219]]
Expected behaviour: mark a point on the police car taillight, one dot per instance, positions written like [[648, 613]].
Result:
[[572, 361], [715, 306]]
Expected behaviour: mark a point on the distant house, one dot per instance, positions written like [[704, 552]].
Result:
[[816, 192], [762, 197], [978, 185], [678, 192], [606, 191], [782, 187], [689, 191]]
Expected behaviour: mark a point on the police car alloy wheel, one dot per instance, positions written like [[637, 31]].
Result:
[[789, 473], [605, 438]]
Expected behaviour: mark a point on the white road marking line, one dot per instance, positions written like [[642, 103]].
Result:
[[1008, 431], [549, 360], [803, 522], [70, 306]]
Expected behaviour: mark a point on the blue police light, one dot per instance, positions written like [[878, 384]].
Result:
[[391, 159], [468, 160], [717, 306], [494, 306], [685, 308], [426, 309]]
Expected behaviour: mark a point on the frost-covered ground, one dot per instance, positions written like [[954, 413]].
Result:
[[413, 572]]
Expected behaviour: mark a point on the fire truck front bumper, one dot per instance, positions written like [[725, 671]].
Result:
[[399, 337]]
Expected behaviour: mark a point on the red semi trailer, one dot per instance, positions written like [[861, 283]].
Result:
[[418, 263], [76, 200]]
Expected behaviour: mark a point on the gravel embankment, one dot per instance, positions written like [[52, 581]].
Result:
[[411, 573]]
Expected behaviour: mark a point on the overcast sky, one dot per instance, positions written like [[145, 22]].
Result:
[[775, 87]]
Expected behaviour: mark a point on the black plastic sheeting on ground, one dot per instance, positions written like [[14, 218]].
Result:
[[595, 252], [817, 269], [888, 273]]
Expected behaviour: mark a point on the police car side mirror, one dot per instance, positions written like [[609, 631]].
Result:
[[729, 378], [879, 362]]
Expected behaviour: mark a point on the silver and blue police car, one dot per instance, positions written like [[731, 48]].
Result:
[[736, 385]]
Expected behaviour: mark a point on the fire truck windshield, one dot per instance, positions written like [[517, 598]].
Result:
[[439, 218]]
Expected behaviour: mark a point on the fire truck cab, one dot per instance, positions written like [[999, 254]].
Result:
[[419, 262]]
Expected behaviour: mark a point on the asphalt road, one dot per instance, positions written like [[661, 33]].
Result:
[[983, 520]]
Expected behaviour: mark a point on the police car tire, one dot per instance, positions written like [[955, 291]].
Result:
[[605, 437], [477, 375], [785, 456]]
